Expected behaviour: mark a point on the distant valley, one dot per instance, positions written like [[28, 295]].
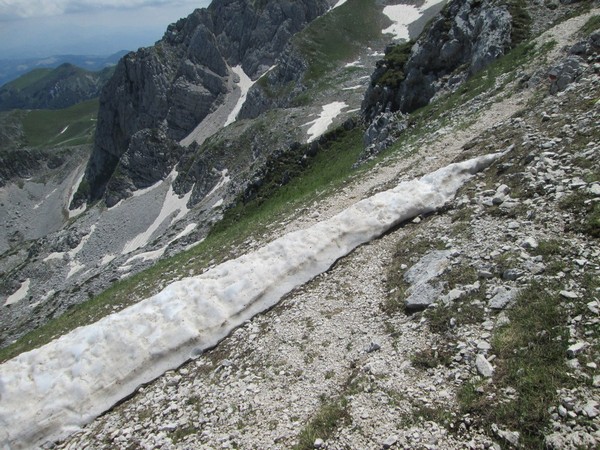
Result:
[[11, 69]]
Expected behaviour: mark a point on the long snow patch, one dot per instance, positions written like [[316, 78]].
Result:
[[244, 84], [51, 391], [403, 15], [19, 295], [172, 204]]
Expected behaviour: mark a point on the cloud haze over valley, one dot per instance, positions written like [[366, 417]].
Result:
[[39, 28]]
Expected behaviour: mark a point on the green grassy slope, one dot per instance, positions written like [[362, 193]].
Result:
[[28, 79], [44, 127], [339, 36], [56, 88]]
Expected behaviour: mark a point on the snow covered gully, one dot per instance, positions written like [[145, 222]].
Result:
[[50, 392]]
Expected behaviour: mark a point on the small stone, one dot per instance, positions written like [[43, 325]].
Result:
[[568, 403], [391, 440], [596, 381], [503, 297], [483, 366], [594, 307], [503, 189], [485, 274], [594, 189], [498, 199], [569, 294], [576, 349], [483, 345], [512, 437], [514, 225], [591, 365], [590, 409], [373, 347], [512, 274], [529, 243], [319, 443], [573, 364], [562, 411], [417, 220], [502, 320]]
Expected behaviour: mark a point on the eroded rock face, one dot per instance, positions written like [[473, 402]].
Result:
[[171, 87], [461, 41]]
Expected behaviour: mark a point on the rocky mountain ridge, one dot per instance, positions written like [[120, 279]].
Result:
[[168, 89], [11, 69], [57, 88]]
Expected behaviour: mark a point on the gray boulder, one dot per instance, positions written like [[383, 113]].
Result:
[[423, 292]]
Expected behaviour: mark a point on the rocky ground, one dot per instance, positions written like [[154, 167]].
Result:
[[504, 282]]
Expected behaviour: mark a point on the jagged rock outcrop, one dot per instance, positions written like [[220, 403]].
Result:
[[571, 68], [381, 133], [178, 82], [24, 163], [281, 85], [58, 88], [461, 41]]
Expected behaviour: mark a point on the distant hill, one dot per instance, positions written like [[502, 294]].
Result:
[[11, 69], [57, 88]]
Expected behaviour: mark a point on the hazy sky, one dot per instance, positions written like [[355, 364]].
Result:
[[38, 28]]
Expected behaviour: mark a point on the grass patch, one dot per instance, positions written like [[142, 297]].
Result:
[[43, 127], [530, 359], [28, 79], [395, 59], [585, 211], [593, 24], [329, 417], [334, 37], [554, 251], [438, 318], [295, 177]]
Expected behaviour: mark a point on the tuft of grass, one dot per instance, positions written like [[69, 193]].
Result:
[[530, 359], [464, 313], [327, 419], [586, 213], [181, 433], [394, 60], [428, 359], [593, 24]]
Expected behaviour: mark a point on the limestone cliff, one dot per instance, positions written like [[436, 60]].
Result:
[[164, 91], [459, 42]]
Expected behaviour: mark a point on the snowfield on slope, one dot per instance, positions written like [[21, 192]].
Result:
[[403, 15], [49, 392], [244, 85], [321, 123]]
